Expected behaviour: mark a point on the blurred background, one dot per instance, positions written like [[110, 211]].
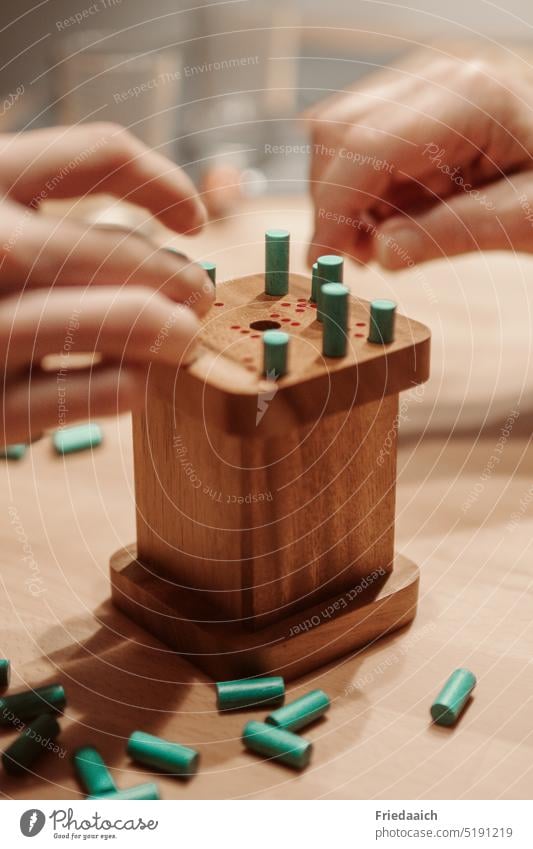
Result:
[[218, 86]]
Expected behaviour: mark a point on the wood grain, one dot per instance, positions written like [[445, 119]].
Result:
[[266, 497], [223, 381], [266, 527]]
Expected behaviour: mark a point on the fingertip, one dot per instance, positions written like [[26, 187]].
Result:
[[202, 290], [188, 347], [398, 246], [200, 216], [183, 337], [175, 342], [315, 249], [332, 237], [188, 217], [210, 292], [188, 282], [197, 218], [312, 255]]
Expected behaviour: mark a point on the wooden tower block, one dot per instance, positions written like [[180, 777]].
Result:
[[260, 503]]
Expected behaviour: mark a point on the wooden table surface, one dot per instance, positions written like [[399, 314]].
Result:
[[465, 518]]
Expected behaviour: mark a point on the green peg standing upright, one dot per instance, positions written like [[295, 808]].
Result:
[[277, 262], [335, 319], [314, 283], [5, 673], [275, 353], [382, 320], [330, 269]]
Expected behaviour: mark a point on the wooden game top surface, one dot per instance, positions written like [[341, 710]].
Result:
[[225, 376], [475, 591]]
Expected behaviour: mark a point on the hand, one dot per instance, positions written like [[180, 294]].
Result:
[[68, 288], [425, 162]]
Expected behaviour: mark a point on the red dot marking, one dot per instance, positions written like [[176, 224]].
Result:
[[250, 368], [285, 304], [235, 327], [360, 335], [218, 304], [298, 310], [274, 315], [245, 331], [313, 306], [360, 324], [302, 300], [247, 359], [295, 323], [255, 336], [285, 319]]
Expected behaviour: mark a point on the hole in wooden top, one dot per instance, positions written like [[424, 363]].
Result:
[[265, 324]]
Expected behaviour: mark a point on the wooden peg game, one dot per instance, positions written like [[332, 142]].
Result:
[[265, 502]]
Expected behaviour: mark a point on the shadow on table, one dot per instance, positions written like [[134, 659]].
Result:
[[118, 680]]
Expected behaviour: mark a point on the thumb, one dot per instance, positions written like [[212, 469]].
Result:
[[496, 217]]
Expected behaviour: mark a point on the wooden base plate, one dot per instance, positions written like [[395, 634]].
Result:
[[298, 644]]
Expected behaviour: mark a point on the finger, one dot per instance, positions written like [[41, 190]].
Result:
[[346, 190], [134, 325], [359, 100], [403, 141], [363, 178], [38, 251], [331, 119], [383, 84], [412, 75], [75, 161], [39, 401], [497, 217]]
